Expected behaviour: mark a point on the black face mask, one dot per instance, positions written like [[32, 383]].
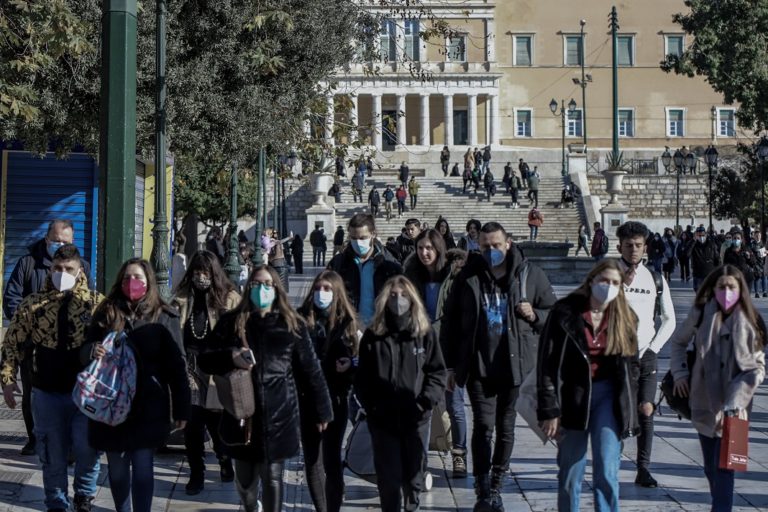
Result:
[[398, 314]]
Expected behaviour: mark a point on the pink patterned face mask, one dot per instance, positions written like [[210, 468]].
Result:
[[727, 298]]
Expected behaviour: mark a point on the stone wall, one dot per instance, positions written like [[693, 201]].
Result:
[[650, 197]]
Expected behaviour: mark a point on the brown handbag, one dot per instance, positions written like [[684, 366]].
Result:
[[235, 391]]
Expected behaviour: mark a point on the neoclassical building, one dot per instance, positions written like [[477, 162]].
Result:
[[493, 82]]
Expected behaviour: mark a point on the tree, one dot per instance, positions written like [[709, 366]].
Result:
[[729, 49], [736, 188]]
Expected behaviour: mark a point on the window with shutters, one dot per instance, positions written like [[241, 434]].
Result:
[[388, 41], [523, 50], [457, 49], [626, 50], [412, 41], [626, 122], [726, 122], [574, 123], [675, 122], [674, 44], [574, 50], [523, 122]]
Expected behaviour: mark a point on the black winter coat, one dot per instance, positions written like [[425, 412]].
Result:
[[281, 355], [461, 334], [564, 378], [29, 276], [162, 385], [397, 374], [384, 263], [744, 260], [704, 257], [406, 246]]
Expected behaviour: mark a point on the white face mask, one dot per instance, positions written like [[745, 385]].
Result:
[[604, 293], [64, 281], [323, 299], [361, 246]]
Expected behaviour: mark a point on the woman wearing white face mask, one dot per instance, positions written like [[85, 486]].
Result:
[[265, 335], [729, 364], [587, 384], [333, 328], [400, 379]]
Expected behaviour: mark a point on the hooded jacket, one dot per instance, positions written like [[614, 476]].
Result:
[[384, 267], [55, 361], [29, 276], [414, 270], [461, 332], [285, 362], [400, 378], [705, 257], [564, 378]]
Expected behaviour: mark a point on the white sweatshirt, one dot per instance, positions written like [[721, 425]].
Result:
[[641, 294]]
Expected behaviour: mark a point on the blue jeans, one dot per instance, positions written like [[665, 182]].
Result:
[[132, 479], [59, 427], [697, 282], [761, 280], [720, 480], [534, 232], [603, 430], [454, 404]]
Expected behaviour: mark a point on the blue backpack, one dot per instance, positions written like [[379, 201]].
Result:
[[105, 389]]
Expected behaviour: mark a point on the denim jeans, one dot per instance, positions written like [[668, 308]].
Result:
[[761, 280], [132, 479], [534, 232], [603, 430], [59, 427], [454, 404], [721, 481]]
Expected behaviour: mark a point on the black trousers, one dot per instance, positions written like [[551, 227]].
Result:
[[493, 408], [322, 458], [201, 419], [533, 196], [647, 384], [318, 255], [248, 476], [298, 262], [26, 397], [398, 457], [375, 210], [513, 191], [685, 268], [445, 169]]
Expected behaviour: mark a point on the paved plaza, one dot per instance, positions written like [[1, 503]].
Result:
[[531, 486]]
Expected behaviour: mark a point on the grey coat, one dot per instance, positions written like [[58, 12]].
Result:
[[728, 366]]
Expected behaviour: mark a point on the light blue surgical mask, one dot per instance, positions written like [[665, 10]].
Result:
[[262, 296], [736, 243], [494, 257], [52, 247], [361, 246], [323, 299]]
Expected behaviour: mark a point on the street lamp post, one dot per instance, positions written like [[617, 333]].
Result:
[[258, 257], [232, 268], [571, 109], [160, 230], [762, 155], [586, 78], [711, 157], [679, 160]]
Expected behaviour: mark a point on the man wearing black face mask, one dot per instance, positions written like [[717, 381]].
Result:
[[491, 323], [704, 255]]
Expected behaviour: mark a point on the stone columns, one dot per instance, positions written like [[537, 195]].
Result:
[[401, 119], [353, 118], [494, 124], [472, 114], [377, 126], [329, 121], [448, 102], [424, 120]]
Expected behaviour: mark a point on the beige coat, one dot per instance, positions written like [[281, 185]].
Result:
[[728, 366], [199, 381]]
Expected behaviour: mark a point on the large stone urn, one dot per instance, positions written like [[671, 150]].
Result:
[[321, 182], [614, 181]]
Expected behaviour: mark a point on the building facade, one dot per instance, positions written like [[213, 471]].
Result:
[[492, 84]]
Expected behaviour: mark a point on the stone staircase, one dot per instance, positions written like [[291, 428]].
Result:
[[443, 197]]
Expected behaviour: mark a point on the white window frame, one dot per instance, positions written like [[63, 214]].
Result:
[[514, 49], [666, 42], [632, 123], [719, 121], [565, 49], [632, 50], [416, 39], [463, 36], [667, 120], [530, 121], [572, 123], [384, 51]]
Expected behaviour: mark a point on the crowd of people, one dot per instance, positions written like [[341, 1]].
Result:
[[387, 332]]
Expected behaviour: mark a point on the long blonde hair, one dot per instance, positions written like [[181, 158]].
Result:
[[281, 305], [622, 320], [419, 325]]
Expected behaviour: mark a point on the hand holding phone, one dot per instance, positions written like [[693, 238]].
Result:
[[243, 358]]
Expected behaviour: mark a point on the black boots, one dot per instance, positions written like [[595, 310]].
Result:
[[226, 471], [483, 493], [196, 482], [83, 503]]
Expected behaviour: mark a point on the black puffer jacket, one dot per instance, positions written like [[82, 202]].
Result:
[[161, 382], [279, 353], [460, 335], [564, 374], [742, 259], [398, 373], [344, 264]]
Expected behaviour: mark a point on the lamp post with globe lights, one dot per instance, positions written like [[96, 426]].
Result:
[[570, 110], [710, 155]]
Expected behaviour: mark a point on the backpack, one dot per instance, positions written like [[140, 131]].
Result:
[[604, 244], [659, 282], [105, 389]]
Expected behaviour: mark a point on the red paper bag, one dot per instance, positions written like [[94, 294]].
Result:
[[733, 448]]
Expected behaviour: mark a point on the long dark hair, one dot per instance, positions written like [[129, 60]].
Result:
[[116, 306], [221, 286], [281, 305], [707, 292], [340, 310], [438, 242]]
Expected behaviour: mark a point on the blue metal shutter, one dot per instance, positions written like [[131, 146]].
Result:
[[39, 190]]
